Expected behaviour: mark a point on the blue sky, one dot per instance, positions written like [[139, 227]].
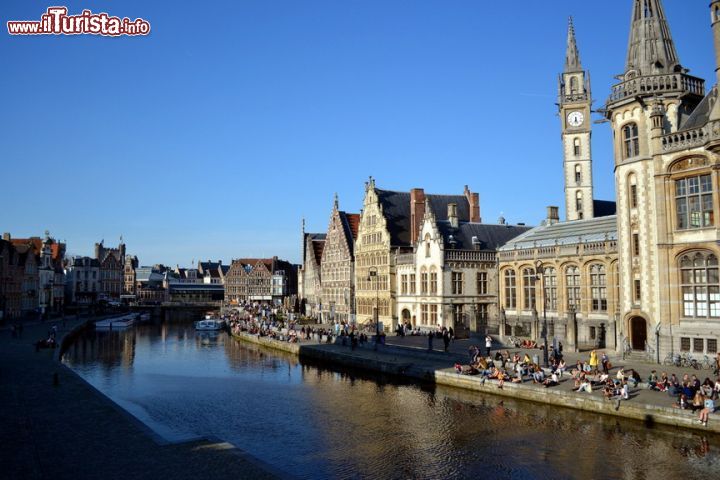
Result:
[[213, 136]]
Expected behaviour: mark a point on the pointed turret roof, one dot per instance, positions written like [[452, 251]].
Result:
[[651, 49], [572, 56]]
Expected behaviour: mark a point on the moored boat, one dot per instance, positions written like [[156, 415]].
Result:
[[209, 324], [117, 322]]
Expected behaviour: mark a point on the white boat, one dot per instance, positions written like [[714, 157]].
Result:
[[117, 322], [209, 324]]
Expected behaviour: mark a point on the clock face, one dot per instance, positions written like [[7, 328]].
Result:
[[575, 119]]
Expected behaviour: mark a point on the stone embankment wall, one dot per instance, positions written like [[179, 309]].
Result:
[[407, 367]]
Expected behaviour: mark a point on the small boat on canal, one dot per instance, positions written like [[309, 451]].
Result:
[[209, 324], [116, 322]]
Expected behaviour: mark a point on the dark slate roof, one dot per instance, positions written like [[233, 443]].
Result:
[[701, 115], [318, 247], [490, 237], [315, 236], [567, 233], [439, 205], [604, 208], [396, 208]]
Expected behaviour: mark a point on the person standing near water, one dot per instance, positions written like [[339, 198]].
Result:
[[430, 341]]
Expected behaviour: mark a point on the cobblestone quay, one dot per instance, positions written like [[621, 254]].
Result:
[[62, 428]]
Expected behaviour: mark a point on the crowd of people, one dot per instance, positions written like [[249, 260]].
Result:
[[591, 375]]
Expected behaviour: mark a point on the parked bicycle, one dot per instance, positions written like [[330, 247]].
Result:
[[673, 360]]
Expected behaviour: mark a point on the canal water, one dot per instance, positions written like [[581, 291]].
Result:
[[317, 423]]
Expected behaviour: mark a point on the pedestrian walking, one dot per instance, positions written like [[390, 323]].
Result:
[[430, 341], [488, 344], [605, 361], [446, 339]]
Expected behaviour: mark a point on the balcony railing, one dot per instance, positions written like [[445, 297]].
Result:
[[674, 82], [469, 256], [405, 259], [687, 139]]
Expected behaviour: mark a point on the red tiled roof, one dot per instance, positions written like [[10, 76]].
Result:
[[354, 221], [37, 243]]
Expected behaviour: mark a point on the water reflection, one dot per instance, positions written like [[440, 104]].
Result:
[[321, 423]]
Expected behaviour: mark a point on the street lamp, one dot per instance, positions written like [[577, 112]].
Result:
[[540, 273], [373, 273]]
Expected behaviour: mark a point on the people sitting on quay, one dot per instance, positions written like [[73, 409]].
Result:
[[552, 380]]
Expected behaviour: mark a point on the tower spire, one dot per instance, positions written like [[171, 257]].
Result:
[[572, 56], [651, 50]]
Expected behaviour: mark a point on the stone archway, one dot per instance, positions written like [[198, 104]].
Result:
[[405, 316], [638, 333]]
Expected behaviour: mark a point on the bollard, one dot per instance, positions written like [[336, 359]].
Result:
[[56, 379]]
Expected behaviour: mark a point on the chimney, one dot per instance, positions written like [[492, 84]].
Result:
[[452, 215], [6, 236], [474, 202], [417, 212], [501, 220], [553, 216]]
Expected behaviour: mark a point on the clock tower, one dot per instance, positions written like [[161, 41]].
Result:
[[574, 103]]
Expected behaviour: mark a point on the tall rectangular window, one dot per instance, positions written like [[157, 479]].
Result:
[[550, 279], [528, 288], [433, 314], [457, 283], [637, 291], [572, 281], [509, 282], [404, 284], [413, 284], [424, 313], [598, 289], [424, 283], [636, 244], [633, 196], [482, 286], [433, 283], [694, 202]]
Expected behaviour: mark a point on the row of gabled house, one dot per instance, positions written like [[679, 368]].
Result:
[[416, 258], [32, 279]]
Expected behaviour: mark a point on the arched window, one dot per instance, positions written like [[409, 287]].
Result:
[[598, 288], [510, 284], [631, 140], [700, 285], [424, 284], [572, 281], [528, 288], [427, 245], [576, 147], [550, 293], [578, 174], [573, 86]]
